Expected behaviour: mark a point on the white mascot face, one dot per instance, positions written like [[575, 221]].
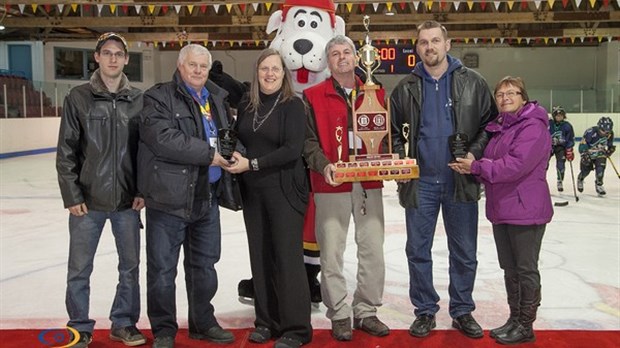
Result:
[[301, 39]]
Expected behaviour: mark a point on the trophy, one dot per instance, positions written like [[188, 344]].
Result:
[[371, 124], [227, 141], [458, 145]]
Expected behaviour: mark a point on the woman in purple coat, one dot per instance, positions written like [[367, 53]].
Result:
[[518, 202]]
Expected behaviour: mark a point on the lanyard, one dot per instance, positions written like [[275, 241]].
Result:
[[205, 110]]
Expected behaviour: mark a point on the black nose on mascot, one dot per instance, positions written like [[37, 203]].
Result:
[[302, 46]]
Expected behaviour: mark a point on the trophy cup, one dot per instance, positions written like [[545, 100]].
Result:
[[371, 124], [227, 141], [458, 143]]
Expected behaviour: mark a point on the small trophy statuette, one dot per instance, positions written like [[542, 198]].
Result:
[[227, 139], [339, 131], [458, 145], [405, 131]]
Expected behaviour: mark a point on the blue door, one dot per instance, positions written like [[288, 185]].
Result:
[[20, 60]]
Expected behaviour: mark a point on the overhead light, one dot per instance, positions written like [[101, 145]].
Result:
[[389, 13]]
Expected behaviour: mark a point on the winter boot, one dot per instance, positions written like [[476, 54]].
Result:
[[523, 332], [315, 287], [513, 293], [246, 289], [579, 183], [600, 189], [560, 186]]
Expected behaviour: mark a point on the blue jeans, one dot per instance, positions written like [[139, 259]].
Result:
[[200, 236], [461, 223], [84, 235]]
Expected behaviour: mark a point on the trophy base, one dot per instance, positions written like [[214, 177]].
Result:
[[376, 169]]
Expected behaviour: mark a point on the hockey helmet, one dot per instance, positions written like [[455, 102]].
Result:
[[605, 124], [558, 110]]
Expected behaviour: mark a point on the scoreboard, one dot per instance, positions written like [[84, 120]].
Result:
[[396, 59]]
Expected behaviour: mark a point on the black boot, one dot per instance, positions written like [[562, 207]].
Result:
[[315, 287], [513, 293], [524, 332], [246, 288]]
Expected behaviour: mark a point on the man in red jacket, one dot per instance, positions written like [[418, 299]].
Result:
[[331, 108]]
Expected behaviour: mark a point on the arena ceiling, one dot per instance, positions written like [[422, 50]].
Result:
[[241, 24]]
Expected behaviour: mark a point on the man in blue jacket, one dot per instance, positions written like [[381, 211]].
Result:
[[438, 99], [179, 175]]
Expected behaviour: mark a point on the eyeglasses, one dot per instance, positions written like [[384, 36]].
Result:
[[110, 54], [274, 69], [509, 94], [201, 67]]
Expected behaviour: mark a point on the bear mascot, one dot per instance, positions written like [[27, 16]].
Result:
[[303, 28]]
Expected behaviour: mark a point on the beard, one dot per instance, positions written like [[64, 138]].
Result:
[[431, 59]]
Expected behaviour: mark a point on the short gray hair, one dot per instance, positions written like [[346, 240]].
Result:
[[339, 40], [195, 49]]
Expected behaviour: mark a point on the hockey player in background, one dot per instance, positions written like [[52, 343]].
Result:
[[595, 147], [562, 142]]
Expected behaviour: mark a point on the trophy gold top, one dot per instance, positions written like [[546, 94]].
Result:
[[368, 55]]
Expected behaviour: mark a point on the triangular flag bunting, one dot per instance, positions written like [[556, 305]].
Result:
[[527, 40], [34, 8], [21, 7], [402, 5], [125, 8], [429, 4], [151, 9], [73, 7], [555, 40], [592, 2], [519, 40], [510, 4], [537, 4], [203, 8], [466, 40], [139, 44], [572, 39], [524, 5], [600, 39], [496, 3], [361, 42], [396, 41], [456, 5], [164, 9], [163, 44], [470, 5], [268, 6], [416, 4], [255, 6], [155, 43], [375, 5], [228, 7], [564, 3], [99, 8], [242, 8], [177, 8], [138, 8], [551, 2], [546, 40], [483, 5], [265, 42], [216, 7], [256, 43], [388, 5], [48, 8], [362, 7], [190, 9], [501, 40], [475, 40], [240, 43], [61, 7], [112, 8], [231, 43], [349, 6]]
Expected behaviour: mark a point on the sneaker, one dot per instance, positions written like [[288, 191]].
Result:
[[372, 326], [260, 334], [468, 326], [600, 190], [341, 329], [130, 336], [215, 334], [164, 342], [579, 184], [422, 325], [287, 342], [560, 186], [85, 339]]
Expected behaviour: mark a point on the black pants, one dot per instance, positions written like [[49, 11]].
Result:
[[275, 231], [560, 160], [518, 249], [598, 165]]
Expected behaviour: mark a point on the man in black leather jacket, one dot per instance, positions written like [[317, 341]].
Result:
[[438, 99], [96, 164], [179, 174]]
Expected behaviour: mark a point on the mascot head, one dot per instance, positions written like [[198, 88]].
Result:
[[303, 28]]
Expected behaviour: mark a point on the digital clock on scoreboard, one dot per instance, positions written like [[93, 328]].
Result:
[[396, 59]]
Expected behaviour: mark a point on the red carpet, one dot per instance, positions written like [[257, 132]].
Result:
[[322, 339]]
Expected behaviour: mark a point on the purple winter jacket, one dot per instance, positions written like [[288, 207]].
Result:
[[513, 169]]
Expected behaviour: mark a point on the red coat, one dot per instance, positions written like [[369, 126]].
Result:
[[330, 111]]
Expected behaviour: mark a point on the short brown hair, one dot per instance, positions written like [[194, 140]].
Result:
[[513, 81], [432, 25]]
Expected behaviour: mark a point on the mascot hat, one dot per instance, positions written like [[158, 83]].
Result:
[[326, 5]]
